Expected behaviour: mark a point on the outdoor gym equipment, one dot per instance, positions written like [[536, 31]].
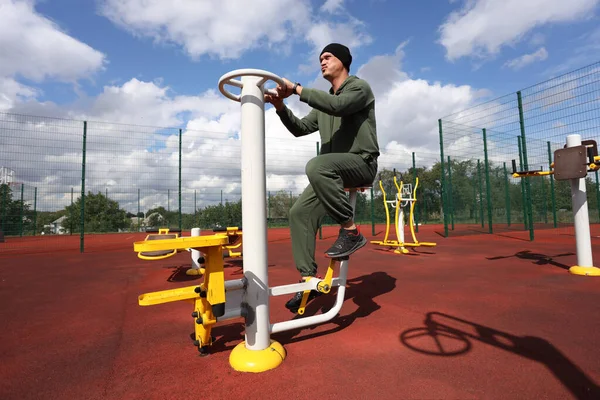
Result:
[[163, 233], [152, 254], [573, 162], [217, 300], [405, 196], [234, 234]]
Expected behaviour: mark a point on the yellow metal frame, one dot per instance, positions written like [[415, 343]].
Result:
[[324, 286], [232, 231], [400, 246], [161, 231], [591, 167], [204, 297], [411, 219]]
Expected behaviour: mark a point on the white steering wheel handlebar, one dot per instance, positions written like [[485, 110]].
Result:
[[229, 79]]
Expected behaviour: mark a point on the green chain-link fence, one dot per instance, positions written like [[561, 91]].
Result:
[[69, 179], [480, 146]]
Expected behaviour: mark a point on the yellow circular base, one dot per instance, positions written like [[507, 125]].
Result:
[[586, 271], [245, 360]]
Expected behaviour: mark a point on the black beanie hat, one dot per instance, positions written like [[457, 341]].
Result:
[[340, 51]]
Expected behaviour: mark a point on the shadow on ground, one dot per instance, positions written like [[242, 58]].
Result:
[[445, 336]]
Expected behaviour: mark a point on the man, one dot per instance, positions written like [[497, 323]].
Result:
[[345, 119]]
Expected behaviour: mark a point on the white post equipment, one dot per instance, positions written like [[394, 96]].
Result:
[[254, 218], [583, 241], [259, 352], [571, 163], [196, 264]]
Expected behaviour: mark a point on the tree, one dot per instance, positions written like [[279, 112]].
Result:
[[279, 205], [162, 217], [221, 215], [16, 217], [100, 214]]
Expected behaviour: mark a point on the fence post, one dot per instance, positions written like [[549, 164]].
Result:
[[487, 182], [545, 197], [597, 195], [480, 193], [553, 196], [4, 204], [507, 193], [416, 209], [22, 210], [526, 165], [180, 217], [450, 194], [138, 213], [82, 222], [71, 214], [35, 212], [442, 178], [268, 207], [525, 223]]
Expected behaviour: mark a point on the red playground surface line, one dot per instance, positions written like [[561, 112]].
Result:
[[476, 317]]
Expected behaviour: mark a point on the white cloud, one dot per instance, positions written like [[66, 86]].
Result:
[[520, 62], [12, 92], [351, 33], [219, 29], [225, 28], [537, 39], [150, 104], [482, 27], [332, 6], [407, 109], [35, 48]]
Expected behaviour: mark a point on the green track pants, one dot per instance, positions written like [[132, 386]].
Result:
[[328, 175]]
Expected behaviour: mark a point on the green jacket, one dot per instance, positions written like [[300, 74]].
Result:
[[345, 120]]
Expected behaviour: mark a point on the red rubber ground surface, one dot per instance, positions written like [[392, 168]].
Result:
[[477, 317]]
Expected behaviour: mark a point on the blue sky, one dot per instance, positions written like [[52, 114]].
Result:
[[157, 63], [387, 23]]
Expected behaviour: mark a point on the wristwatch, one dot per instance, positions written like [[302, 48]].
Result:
[[295, 86]]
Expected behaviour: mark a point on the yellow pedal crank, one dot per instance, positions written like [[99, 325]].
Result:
[[305, 295], [303, 303], [325, 285]]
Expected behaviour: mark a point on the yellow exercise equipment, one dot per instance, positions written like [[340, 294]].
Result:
[[405, 196], [163, 233], [208, 298], [569, 162], [235, 240], [573, 162]]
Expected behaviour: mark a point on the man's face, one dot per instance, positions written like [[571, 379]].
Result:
[[331, 66]]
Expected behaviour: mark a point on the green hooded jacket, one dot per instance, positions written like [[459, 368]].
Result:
[[345, 120]]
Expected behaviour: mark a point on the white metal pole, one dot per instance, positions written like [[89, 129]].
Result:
[[254, 214], [195, 253], [352, 199], [583, 239], [400, 223]]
